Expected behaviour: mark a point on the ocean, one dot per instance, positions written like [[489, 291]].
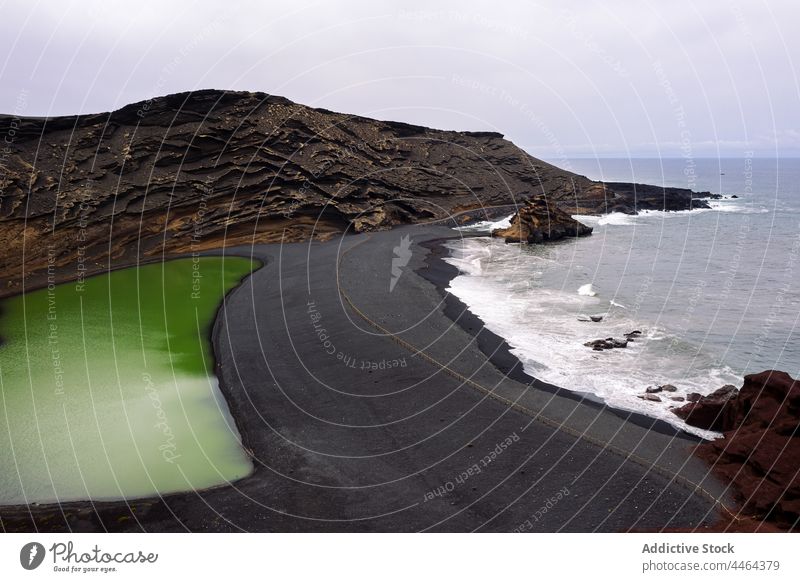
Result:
[[715, 293]]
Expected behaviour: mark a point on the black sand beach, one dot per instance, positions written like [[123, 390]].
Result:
[[432, 426]]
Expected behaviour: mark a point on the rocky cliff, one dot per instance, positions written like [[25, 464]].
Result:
[[193, 171]]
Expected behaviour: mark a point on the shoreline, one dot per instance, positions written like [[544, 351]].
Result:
[[262, 418], [498, 351]]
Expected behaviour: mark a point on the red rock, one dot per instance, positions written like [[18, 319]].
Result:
[[760, 450], [712, 412]]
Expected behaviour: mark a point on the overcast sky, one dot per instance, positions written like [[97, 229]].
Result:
[[710, 77]]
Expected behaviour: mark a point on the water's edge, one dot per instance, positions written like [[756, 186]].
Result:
[[497, 350]]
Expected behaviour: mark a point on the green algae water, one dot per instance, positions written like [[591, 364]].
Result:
[[107, 388]]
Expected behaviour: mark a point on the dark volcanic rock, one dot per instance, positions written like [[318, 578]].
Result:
[[599, 344], [540, 221], [207, 169], [657, 197], [606, 344], [650, 397], [760, 451], [594, 318]]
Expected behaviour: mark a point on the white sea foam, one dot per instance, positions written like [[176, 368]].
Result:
[[735, 205], [617, 219], [587, 219], [542, 326], [487, 225], [470, 261], [587, 290]]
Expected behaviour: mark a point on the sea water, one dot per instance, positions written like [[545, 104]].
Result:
[[107, 387], [715, 292]]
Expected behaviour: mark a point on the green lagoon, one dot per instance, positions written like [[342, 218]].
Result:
[[107, 387]]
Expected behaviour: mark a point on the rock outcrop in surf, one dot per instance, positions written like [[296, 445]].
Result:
[[541, 221]]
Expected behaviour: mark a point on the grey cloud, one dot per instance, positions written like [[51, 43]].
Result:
[[616, 78]]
